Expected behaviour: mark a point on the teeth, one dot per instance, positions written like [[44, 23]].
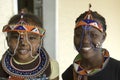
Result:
[[23, 51], [86, 49]]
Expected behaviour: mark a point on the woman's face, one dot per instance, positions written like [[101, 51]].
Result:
[[23, 44], [88, 40]]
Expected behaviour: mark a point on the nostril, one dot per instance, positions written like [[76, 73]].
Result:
[[86, 39], [21, 37], [23, 43]]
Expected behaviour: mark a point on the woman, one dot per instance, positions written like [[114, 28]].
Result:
[[93, 62], [26, 59]]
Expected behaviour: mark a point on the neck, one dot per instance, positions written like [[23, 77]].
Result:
[[24, 62]]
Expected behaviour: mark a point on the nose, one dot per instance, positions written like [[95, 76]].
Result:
[[86, 38], [23, 40]]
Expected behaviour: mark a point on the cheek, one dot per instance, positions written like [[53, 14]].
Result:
[[97, 41], [12, 45], [35, 45], [76, 41]]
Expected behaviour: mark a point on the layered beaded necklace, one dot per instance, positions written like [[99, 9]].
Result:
[[81, 72], [43, 64]]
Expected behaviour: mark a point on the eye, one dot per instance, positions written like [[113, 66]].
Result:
[[14, 36], [32, 38], [93, 35], [78, 33]]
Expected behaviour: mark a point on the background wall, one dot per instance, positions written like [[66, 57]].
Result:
[[49, 23], [6, 11], [69, 10]]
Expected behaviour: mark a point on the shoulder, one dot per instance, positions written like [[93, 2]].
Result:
[[68, 74], [114, 62], [114, 65], [54, 68], [2, 72]]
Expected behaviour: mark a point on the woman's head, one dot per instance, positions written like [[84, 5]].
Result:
[[89, 32], [24, 35]]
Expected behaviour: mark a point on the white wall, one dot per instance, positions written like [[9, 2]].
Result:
[[49, 23], [6, 11], [69, 10]]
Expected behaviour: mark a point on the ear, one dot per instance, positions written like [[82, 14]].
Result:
[[104, 36], [41, 40], [7, 41]]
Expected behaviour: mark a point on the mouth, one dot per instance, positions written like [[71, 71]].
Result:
[[23, 51], [86, 48]]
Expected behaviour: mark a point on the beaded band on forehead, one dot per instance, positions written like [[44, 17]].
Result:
[[89, 21], [22, 26]]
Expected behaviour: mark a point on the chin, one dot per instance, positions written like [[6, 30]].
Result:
[[87, 53], [22, 56]]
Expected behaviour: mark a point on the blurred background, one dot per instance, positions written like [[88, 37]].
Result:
[[58, 17]]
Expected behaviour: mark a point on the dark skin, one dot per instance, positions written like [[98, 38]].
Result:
[[91, 56]]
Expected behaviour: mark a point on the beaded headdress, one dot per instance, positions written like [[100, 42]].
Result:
[[89, 21], [22, 26]]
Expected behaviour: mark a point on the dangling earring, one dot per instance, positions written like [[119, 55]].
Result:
[[98, 45], [10, 52], [40, 46]]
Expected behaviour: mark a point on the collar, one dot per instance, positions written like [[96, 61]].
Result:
[[81, 71]]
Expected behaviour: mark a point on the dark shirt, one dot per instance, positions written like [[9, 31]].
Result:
[[110, 72], [2, 72]]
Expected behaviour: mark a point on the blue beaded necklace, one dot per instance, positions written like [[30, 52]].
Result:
[[31, 73]]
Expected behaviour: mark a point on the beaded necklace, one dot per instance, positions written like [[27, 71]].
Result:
[[38, 71]]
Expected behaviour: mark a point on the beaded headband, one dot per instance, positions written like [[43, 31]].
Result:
[[22, 26], [89, 21]]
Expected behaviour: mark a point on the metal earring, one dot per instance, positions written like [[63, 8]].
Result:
[[98, 45]]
